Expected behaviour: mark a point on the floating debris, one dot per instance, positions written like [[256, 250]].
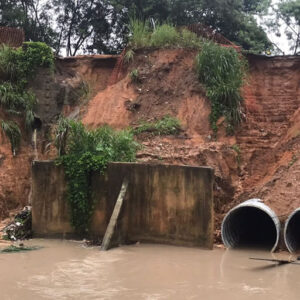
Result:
[[20, 228], [21, 247]]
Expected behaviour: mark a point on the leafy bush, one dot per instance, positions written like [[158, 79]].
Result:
[[19, 65], [15, 100], [190, 39], [166, 126], [222, 70], [134, 75], [129, 55], [165, 35], [13, 133], [85, 151], [36, 55]]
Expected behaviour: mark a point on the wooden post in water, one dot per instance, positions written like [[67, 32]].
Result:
[[114, 217]]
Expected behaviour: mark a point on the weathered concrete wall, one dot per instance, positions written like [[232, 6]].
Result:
[[50, 214], [164, 203]]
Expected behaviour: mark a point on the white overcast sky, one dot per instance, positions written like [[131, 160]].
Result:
[[281, 41]]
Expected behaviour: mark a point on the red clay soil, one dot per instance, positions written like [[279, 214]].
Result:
[[268, 138], [267, 166], [168, 85], [93, 69], [14, 175]]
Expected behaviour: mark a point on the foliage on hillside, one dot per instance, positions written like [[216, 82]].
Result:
[[164, 35], [17, 66], [222, 70], [166, 126], [83, 151]]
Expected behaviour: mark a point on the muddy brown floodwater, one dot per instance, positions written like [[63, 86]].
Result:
[[67, 270]]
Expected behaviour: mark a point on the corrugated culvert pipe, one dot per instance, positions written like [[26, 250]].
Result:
[[291, 231], [251, 224]]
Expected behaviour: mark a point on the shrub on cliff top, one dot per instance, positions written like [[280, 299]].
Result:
[[222, 70], [139, 33], [84, 151], [19, 65], [164, 35]]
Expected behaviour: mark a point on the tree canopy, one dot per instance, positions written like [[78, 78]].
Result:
[[101, 25], [289, 13]]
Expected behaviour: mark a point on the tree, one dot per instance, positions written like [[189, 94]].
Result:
[[101, 25], [232, 18], [83, 24], [30, 15], [235, 20], [288, 12]]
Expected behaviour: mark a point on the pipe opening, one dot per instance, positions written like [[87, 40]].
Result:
[[249, 227], [37, 123], [292, 232]]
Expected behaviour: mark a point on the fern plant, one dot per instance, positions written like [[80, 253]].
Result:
[[13, 133], [8, 66], [134, 76], [129, 55]]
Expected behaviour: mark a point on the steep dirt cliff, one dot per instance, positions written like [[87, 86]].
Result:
[[260, 160], [62, 92], [269, 137]]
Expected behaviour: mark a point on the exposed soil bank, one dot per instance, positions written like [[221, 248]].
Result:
[[63, 92], [259, 161]]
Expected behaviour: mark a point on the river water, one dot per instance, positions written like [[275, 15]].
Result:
[[67, 270]]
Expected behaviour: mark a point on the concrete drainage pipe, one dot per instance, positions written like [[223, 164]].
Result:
[[251, 224], [291, 231]]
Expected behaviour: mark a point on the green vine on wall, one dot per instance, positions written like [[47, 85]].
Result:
[[17, 67], [83, 152], [222, 70]]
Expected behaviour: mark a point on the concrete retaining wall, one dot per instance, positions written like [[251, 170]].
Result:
[[164, 203]]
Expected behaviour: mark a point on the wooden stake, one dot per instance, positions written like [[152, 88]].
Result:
[[114, 217]]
